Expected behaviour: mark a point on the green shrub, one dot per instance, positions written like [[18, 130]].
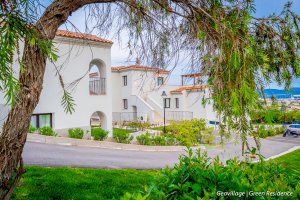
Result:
[[76, 133], [122, 136], [199, 177], [138, 125], [274, 114], [267, 131], [99, 133], [46, 130], [32, 129], [144, 139], [147, 139], [161, 128], [191, 132]]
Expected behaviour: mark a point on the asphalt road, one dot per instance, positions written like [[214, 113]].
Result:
[[75, 156]]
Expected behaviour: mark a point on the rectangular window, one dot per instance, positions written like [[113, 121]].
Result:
[[124, 80], [177, 102], [125, 103], [41, 120], [167, 102], [213, 122], [34, 121], [160, 81]]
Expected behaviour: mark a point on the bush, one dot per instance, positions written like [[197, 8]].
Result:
[[99, 133], [191, 132], [147, 139], [32, 129], [267, 131], [46, 130], [275, 115], [161, 128], [144, 139], [199, 177], [76, 133], [122, 136], [138, 125]]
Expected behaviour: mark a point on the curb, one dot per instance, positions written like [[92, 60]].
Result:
[[118, 146], [283, 153]]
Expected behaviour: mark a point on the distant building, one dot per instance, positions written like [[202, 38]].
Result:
[[137, 95]]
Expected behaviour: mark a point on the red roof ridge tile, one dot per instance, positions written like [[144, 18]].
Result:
[[119, 68], [84, 36], [189, 87]]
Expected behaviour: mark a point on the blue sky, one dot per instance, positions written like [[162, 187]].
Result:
[[120, 52], [266, 7]]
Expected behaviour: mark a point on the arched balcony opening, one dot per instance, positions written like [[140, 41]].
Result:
[[97, 78]]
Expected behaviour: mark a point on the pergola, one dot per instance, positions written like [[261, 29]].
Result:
[[194, 77]]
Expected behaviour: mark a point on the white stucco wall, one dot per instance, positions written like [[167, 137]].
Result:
[[74, 61], [143, 84]]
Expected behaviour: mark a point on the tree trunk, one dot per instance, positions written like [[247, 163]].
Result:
[[16, 126]]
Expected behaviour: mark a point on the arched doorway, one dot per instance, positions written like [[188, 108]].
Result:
[[98, 119], [97, 77]]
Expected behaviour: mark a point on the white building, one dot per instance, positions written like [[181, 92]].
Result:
[[79, 55], [103, 94], [138, 92]]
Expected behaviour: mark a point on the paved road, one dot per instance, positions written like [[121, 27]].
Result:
[[59, 155], [74, 156]]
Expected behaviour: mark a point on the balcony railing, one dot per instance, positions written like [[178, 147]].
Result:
[[124, 116], [178, 115], [97, 86]]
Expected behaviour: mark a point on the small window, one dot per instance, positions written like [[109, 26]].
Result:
[[177, 102], [160, 81], [167, 102], [125, 103], [41, 120], [124, 80], [213, 122]]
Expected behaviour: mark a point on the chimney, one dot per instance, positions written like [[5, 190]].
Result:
[[138, 61]]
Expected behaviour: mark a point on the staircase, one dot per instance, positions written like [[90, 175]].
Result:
[[158, 110]]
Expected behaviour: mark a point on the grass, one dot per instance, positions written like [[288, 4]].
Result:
[[123, 130], [290, 161], [73, 183]]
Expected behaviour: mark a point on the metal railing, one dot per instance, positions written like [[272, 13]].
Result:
[[124, 116], [179, 115], [97, 86]]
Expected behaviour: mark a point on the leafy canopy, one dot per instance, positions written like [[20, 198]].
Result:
[[239, 53]]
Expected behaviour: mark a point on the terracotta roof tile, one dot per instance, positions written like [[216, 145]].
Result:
[[188, 88], [120, 68], [192, 75], [94, 74], [83, 36]]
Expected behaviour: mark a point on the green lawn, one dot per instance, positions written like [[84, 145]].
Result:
[[290, 160], [73, 183], [123, 130]]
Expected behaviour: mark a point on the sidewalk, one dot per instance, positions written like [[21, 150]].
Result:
[[101, 144]]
